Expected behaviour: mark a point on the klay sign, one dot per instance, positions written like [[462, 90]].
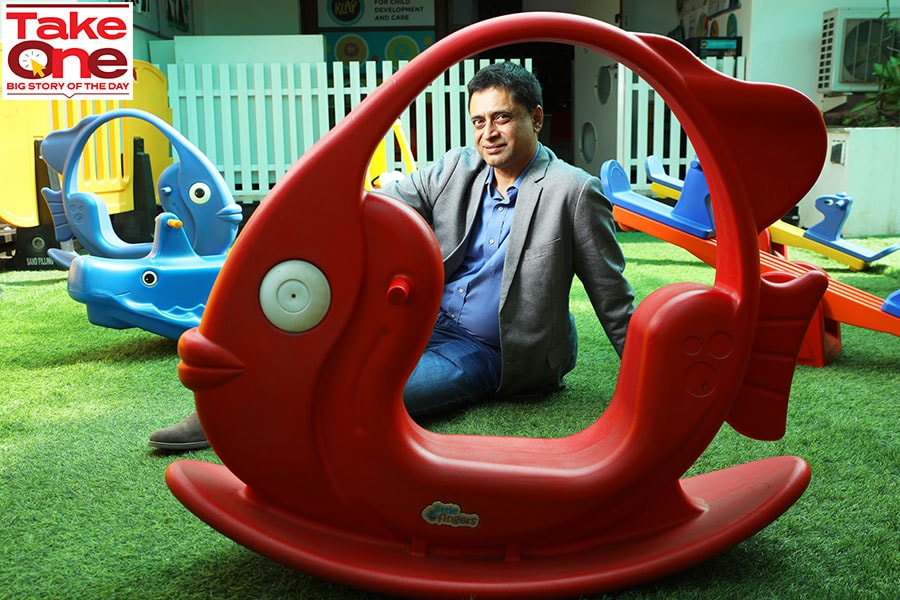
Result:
[[57, 50]]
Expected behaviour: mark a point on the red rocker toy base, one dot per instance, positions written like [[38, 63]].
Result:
[[299, 363]]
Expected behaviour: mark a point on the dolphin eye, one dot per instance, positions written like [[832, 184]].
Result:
[[149, 278], [199, 193]]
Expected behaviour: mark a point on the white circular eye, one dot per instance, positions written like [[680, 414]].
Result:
[[149, 278], [199, 193], [294, 296]]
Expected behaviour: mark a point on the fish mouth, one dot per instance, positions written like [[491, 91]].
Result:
[[205, 364], [231, 213]]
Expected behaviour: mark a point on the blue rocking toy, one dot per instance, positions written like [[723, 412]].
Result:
[[163, 286], [164, 292], [191, 188]]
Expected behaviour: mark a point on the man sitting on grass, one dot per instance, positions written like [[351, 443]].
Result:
[[515, 224]]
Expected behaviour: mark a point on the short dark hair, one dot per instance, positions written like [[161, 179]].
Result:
[[519, 81]]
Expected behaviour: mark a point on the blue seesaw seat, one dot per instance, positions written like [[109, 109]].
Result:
[[892, 304], [835, 210], [692, 212], [657, 174]]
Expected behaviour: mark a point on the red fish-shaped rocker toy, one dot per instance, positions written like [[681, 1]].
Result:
[[329, 296]]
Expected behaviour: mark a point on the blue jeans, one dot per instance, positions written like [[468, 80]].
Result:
[[456, 370]]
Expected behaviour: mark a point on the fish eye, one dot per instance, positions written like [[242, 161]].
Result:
[[295, 296], [199, 193], [149, 278]]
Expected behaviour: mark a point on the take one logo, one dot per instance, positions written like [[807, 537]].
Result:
[[67, 49], [346, 12]]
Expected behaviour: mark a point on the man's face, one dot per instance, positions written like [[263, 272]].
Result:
[[505, 132]]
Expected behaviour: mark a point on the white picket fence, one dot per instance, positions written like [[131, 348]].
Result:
[[255, 120], [647, 126]]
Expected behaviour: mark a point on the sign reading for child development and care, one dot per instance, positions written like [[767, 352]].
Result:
[[63, 50], [370, 14]]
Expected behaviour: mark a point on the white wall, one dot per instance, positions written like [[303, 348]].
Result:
[[783, 43], [780, 37], [239, 17], [860, 171], [594, 134]]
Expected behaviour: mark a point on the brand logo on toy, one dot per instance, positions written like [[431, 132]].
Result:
[[441, 513], [60, 50]]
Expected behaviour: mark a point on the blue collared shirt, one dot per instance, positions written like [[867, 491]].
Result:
[[472, 295]]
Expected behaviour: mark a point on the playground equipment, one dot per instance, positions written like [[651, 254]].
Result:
[[114, 167], [163, 292], [892, 304], [324, 470], [191, 188], [823, 238], [377, 174], [692, 212], [162, 286], [835, 210], [841, 303]]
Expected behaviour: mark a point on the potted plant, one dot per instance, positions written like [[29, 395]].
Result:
[[881, 108]]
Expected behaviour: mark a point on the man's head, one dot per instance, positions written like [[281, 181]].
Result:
[[519, 81], [506, 113]]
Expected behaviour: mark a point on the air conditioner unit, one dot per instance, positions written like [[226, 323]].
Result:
[[853, 40]]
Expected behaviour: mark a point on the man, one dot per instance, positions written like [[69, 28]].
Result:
[[515, 224]]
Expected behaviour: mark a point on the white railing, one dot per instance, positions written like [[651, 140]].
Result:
[[255, 120], [647, 126]]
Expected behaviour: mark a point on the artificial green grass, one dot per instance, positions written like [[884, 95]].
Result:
[[85, 512]]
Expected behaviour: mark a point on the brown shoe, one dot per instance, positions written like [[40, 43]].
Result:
[[186, 435]]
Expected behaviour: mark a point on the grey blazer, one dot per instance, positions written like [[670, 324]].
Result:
[[562, 226]]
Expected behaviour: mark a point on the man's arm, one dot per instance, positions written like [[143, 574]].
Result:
[[422, 189], [600, 263]]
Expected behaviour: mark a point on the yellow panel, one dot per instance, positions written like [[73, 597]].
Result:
[[378, 163], [790, 235], [107, 162], [21, 122]]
